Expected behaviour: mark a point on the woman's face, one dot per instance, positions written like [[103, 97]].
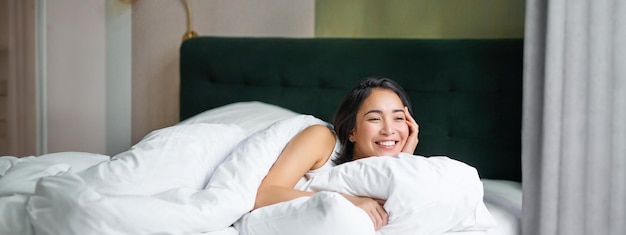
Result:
[[381, 128]]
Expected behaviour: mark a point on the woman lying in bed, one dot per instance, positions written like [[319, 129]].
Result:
[[214, 177], [373, 120]]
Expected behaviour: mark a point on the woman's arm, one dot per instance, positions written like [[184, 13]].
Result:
[[309, 149]]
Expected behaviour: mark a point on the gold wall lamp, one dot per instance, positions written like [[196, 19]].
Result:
[[190, 33]]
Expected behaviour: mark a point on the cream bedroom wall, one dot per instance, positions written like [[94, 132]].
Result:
[[157, 29], [100, 98], [83, 57], [95, 98], [75, 75]]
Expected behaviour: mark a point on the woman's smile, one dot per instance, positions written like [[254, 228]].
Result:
[[387, 143]]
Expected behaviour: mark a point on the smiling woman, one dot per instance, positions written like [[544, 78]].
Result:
[[373, 102], [381, 128], [373, 120]]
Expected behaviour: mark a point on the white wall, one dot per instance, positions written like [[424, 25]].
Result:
[[109, 74], [158, 27], [75, 43], [86, 85], [255, 18]]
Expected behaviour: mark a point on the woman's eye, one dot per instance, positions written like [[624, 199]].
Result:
[[400, 118], [373, 119]]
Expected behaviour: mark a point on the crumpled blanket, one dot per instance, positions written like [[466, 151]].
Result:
[[199, 178], [183, 179]]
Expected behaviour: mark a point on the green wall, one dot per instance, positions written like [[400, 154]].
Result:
[[420, 18]]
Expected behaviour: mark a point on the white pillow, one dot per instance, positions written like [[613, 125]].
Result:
[[173, 157], [505, 193], [252, 116], [424, 195], [22, 173], [326, 213]]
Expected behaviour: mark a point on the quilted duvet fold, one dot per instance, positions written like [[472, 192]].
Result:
[[183, 179]]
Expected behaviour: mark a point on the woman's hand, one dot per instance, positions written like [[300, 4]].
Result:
[[373, 208], [412, 140]]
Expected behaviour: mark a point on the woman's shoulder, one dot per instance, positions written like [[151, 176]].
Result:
[[321, 131], [314, 136]]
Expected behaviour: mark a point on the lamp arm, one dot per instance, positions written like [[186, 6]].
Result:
[[190, 33]]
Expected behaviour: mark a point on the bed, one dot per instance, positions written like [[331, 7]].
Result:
[[197, 177], [466, 94]]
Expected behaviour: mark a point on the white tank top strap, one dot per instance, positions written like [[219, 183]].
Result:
[[330, 163]]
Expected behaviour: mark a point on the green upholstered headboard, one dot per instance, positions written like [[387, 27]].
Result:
[[466, 94]]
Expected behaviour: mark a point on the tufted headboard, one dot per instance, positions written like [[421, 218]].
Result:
[[466, 94]]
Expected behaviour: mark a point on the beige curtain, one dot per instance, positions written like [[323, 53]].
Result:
[[574, 124]]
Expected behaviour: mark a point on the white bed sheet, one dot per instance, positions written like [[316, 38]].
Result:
[[18, 179], [503, 199]]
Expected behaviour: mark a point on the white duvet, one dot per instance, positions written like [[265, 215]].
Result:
[[199, 178]]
